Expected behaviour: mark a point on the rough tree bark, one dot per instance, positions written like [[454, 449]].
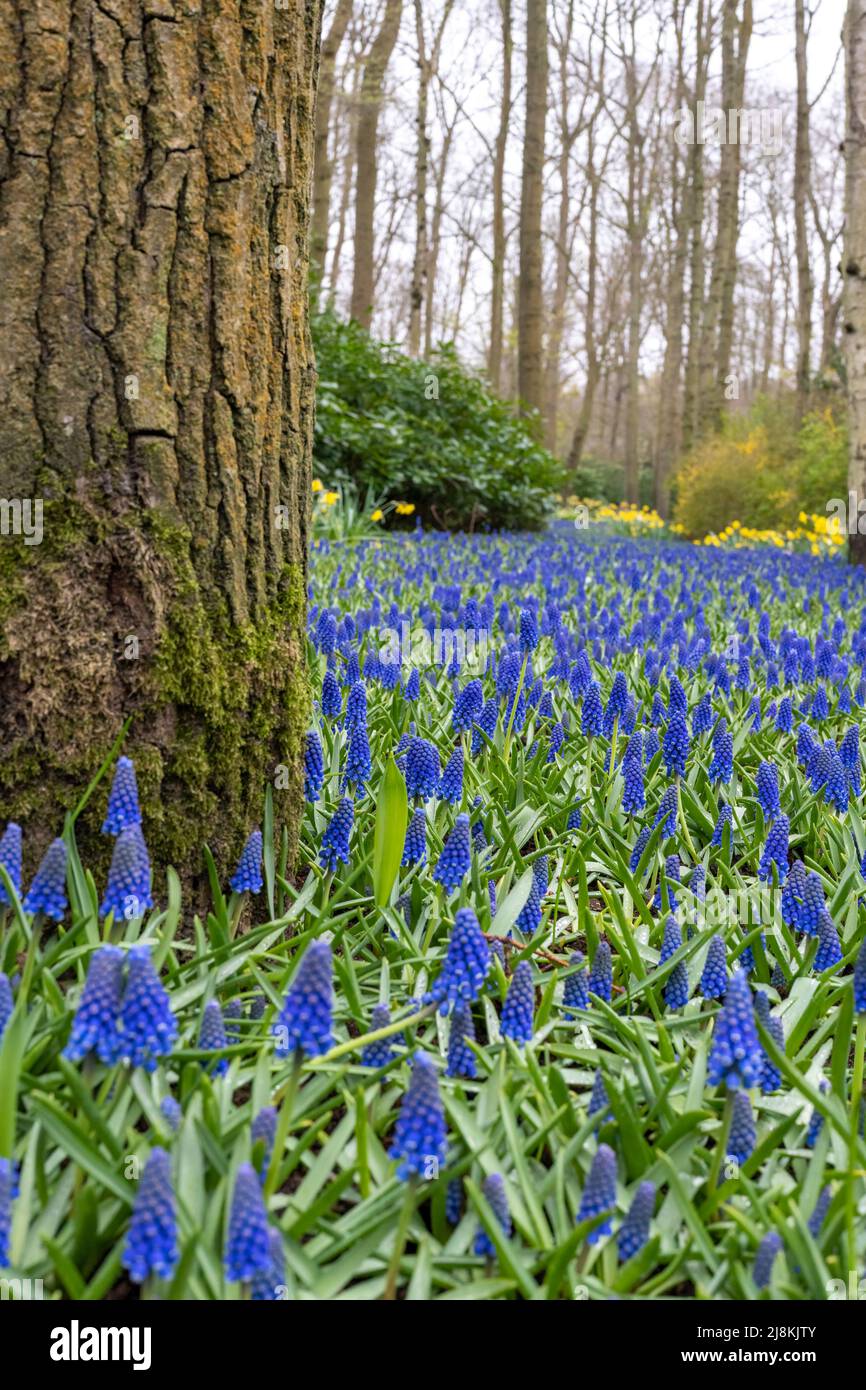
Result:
[[854, 259], [530, 313], [156, 389], [323, 165], [366, 162]]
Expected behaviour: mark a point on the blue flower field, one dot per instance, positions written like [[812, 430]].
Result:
[[566, 1000]]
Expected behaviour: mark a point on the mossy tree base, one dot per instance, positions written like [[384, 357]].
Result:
[[156, 384]]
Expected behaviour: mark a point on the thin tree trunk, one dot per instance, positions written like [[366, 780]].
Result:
[[156, 382], [694, 215], [366, 161], [530, 316], [497, 297], [323, 167], [854, 263], [422, 156], [670, 419], [802, 176]]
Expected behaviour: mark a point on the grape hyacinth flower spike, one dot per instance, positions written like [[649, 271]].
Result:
[[248, 1244], [123, 810], [151, 1243], [48, 890], [247, 877], [305, 1022], [95, 1026], [419, 1144], [519, 1006], [497, 1199]]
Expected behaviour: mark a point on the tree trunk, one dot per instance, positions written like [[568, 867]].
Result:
[[718, 324], [854, 262], [530, 314], [156, 385], [670, 406], [497, 298], [802, 175], [694, 216], [366, 161], [323, 166], [418, 283]]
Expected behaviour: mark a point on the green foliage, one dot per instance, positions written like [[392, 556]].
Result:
[[762, 472], [425, 432], [605, 479]]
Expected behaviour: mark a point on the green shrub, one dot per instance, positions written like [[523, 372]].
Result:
[[426, 432]]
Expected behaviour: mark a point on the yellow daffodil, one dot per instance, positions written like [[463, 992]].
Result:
[[331, 498], [317, 485], [377, 515]]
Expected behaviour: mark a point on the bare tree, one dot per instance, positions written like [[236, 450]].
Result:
[[854, 261], [323, 167], [530, 312], [366, 160]]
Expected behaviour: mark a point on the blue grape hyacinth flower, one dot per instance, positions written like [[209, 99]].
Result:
[[305, 1023], [268, 1284], [714, 979], [519, 1006], [816, 1120], [95, 1026], [171, 1113], [676, 988], [635, 1229], [314, 767], [575, 994], [467, 963], [451, 782], [48, 890], [454, 1201], [736, 1056], [461, 1058], [11, 847], [775, 851], [8, 1193], [247, 1252], [381, 1052], [212, 1037], [771, 1078], [601, 973], [422, 769], [151, 1242], [493, 1188], [247, 877], [599, 1194], [767, 783], [147, 1024], [264, 1130], [860, 980], [816, 1220], [335, 839], [419, 1144], [765, 1257], [123, 810], [7, 1002], [743, 1134], [127, 893], [456, 857], [415, 844]]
